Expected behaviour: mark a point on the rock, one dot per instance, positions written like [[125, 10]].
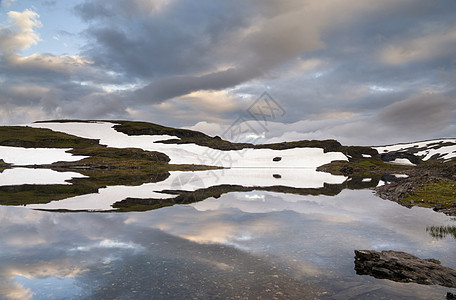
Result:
[[403, 267], [450, 296], [278, 158], [277, 176]]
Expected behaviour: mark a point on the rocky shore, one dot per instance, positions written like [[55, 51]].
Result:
[[432, 186]]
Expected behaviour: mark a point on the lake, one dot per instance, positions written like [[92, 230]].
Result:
[[245, 233]]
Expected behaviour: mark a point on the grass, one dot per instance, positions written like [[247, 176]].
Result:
[[29, 137], [100, 157], [441, 194]]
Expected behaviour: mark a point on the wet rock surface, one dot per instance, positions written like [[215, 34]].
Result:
[[403, 267]]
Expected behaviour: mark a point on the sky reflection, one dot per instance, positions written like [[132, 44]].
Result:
[[269, 242]]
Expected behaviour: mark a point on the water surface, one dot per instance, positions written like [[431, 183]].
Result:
[[242, 244]]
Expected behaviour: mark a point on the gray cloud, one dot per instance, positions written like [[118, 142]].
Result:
[[391, 64]]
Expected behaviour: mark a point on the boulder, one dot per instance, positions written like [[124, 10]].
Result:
[[403, 267]]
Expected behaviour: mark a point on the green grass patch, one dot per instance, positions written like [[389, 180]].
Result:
[[441, 194], [367, 164], [29, 137]]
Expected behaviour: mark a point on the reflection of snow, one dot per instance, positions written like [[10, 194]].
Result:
[[191, 181], [36, 156], [19, 176], [194, 154], [311, 237]]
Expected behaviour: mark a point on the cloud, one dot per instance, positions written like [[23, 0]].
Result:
[[20, 34], [421, 116], [433, 45], [183, 62], [425, 113], [55, 64], [6, 3]]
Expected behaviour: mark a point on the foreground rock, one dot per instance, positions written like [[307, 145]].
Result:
[[403, 267]]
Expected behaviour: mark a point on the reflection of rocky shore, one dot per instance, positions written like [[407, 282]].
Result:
[[403, 267], [187, 197]]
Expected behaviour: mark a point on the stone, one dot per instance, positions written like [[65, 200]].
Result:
[[403, 267]]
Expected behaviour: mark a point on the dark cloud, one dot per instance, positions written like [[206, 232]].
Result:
[[424, 113], [337, 64]]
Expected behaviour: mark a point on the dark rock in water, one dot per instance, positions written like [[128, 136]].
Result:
[[278, 158], [403, 267], [450, 296], [277, 176]]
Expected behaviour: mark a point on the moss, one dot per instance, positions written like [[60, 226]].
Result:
[[367, 164], [29, 137], [441, 195]]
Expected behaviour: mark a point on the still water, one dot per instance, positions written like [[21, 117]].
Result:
[[250, 244]]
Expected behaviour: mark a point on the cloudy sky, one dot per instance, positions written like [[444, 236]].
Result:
[[364, 72]]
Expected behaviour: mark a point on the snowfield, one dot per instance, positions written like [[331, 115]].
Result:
[[35, 156], [192, 181], [20, 176], [195, 154], [446, 152]]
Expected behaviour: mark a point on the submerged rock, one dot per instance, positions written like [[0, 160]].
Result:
[[403, 267]]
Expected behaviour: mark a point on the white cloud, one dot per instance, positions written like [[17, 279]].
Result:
[[20, 34]]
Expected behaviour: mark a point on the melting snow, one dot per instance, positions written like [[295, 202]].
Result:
[[195, 154], [446, 152], [36, 156], [20, 176]]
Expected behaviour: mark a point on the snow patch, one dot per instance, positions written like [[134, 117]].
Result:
[[446, 152], [36, 156], [195, 154], [20, 176]]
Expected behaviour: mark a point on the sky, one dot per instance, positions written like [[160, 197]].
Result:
[[362, 72]]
